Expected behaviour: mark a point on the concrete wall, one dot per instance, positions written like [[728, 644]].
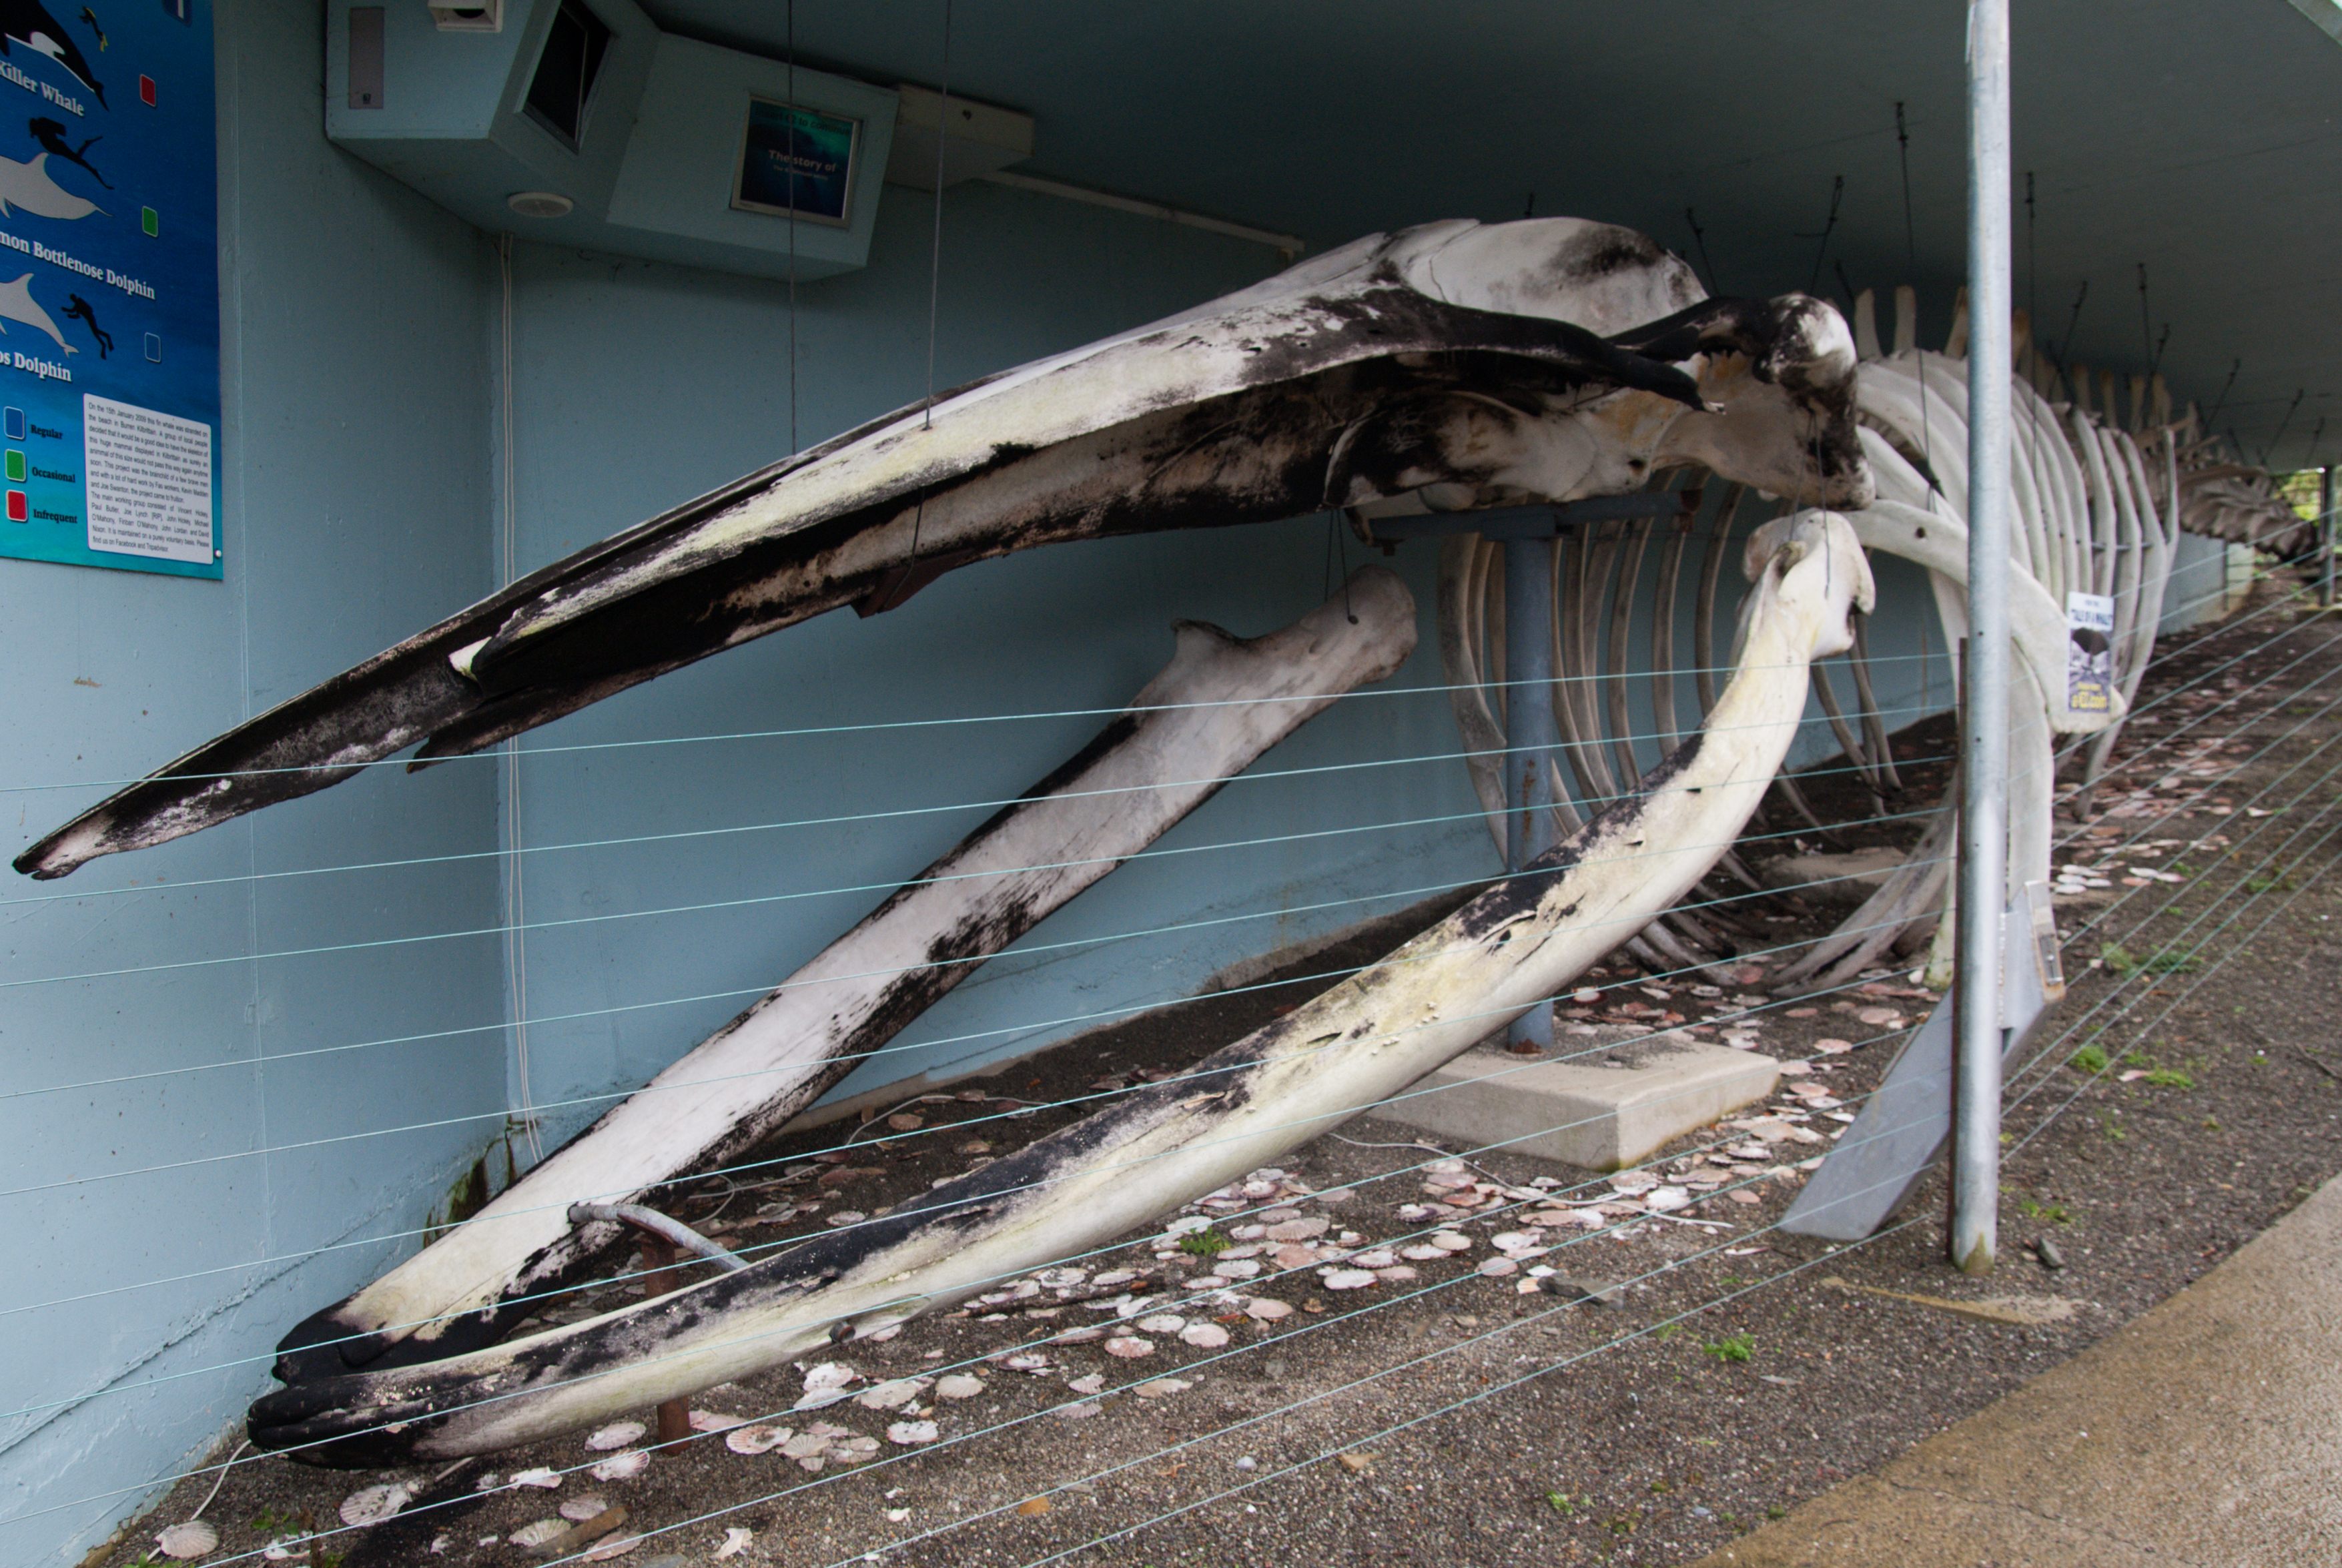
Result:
[[356, 486]]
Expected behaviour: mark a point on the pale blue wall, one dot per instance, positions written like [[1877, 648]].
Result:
[[357, 477], [2209, 578]]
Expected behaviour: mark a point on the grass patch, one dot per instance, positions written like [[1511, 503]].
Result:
[[1731, 1347], [2088, 1059], [2167, 1078], [1203, 1244], [2055, 1214], [2125, 964]]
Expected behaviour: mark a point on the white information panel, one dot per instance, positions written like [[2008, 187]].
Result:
[[149, 481]]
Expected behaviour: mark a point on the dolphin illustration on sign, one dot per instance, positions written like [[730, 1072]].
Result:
[[17, 303], [27, 187], [26, 22]]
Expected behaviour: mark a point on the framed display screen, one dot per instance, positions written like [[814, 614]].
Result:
[[796, 160]]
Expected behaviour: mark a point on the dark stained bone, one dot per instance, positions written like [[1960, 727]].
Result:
[[1543, 359]]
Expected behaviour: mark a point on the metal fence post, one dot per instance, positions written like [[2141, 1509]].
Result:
[[2326, 536], [1531, 732], [1984, 786]]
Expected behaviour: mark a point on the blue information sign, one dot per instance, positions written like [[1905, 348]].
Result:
[[109, 286]]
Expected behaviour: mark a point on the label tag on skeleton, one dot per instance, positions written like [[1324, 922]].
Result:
[[2089, 653]]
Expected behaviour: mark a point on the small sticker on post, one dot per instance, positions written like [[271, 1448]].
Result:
[[2089, 653]]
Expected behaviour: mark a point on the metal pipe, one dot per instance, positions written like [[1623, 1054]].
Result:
[[1531, 733], [1984, 784], [2325, 538]]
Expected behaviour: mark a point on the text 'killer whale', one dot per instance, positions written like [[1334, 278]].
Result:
[[28, 22]]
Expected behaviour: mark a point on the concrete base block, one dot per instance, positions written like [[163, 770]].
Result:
[[1599, 1108]]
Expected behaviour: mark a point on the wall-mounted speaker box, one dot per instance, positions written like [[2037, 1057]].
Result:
[[581, 123]]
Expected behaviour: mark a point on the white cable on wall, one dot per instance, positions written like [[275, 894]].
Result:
[[514, 903]]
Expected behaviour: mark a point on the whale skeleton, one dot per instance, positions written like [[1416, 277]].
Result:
[[1523, 938], [1446, 368], [1220, 703]]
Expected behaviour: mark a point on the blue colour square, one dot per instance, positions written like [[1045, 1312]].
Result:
[[14, 421], [154, 349]]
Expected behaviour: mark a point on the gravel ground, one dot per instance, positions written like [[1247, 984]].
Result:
[[1465, 1415]]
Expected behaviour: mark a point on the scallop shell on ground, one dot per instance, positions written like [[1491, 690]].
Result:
[[756, 1439], [622, 1466], [617, 1434], [193, 1539], [372, 1504]]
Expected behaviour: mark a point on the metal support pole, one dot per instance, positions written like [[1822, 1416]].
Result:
[[1531, 733], [1984, 782], [2326, 536]]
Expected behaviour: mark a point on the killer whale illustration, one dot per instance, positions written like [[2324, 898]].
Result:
[[28, 22], [17, 303], [27, 187]]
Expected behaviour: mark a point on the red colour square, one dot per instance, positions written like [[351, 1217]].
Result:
[[17, 512], [146, 90]]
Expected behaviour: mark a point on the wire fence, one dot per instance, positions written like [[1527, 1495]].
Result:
[[2287, 815]]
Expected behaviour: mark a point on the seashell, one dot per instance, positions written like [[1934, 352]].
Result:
[[756, 1439], [622, 1466], [372, 1504], [617, 1434], [193, 1539]]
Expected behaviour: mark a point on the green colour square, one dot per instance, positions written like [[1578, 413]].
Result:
[[16, 467], [148, 221]]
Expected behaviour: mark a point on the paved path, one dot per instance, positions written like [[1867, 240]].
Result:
[[2205, 1433]]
